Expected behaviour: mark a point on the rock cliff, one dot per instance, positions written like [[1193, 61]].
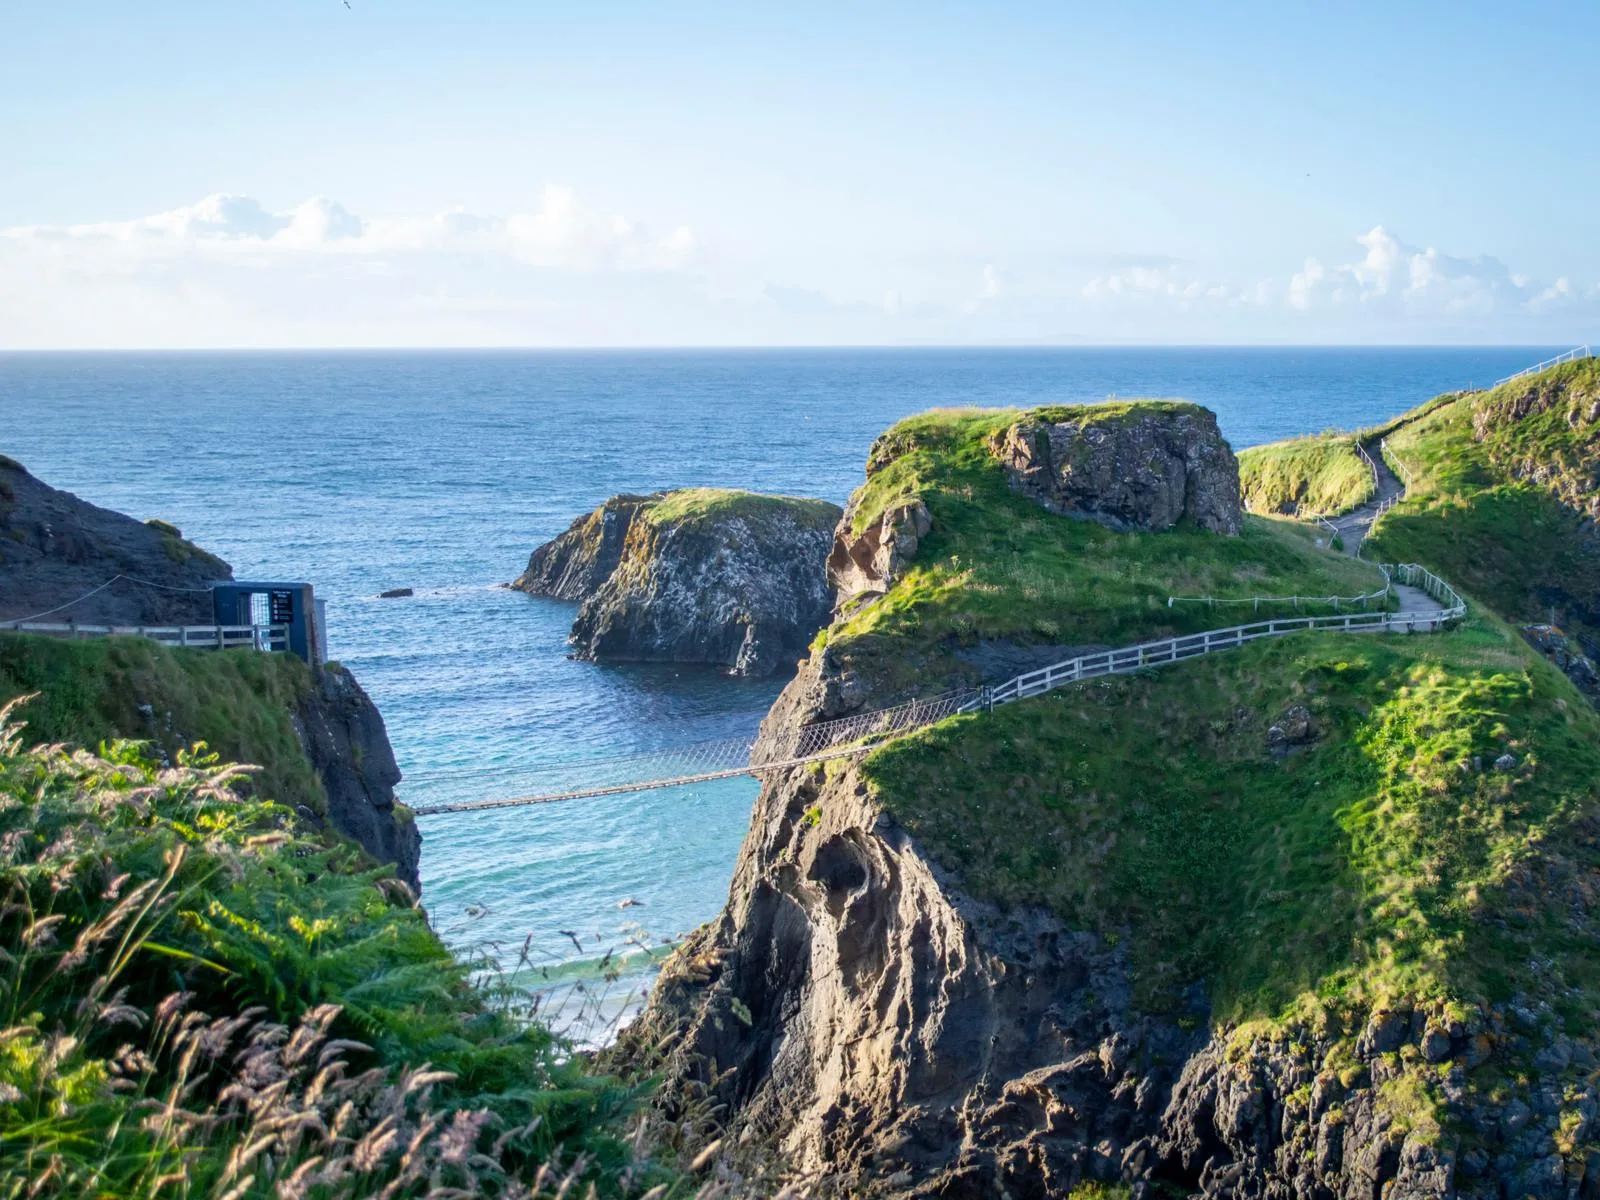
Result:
[[1147, 469], [345, 739], [54, 548], [886, 1007], [575, 564], [733, 579]]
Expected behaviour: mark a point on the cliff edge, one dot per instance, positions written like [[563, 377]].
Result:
[[1309, 918], [271, 710]]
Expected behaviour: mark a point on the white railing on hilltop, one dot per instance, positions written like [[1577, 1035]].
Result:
[[1255, 602], [1176, 649], [196, 637], [1377, 481], [1395, 461], [1573, 355]]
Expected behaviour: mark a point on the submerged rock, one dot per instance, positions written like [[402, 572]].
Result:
[[732, 579], [1147, 468]]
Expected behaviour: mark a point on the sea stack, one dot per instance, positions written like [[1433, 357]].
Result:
[[733, 579]]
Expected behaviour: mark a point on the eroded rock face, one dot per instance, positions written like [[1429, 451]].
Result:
[[348, 745], [878, 1029], [1566, 654], [574, 565], [740, 584], [55, 547], [867, 563], [1147, 470]]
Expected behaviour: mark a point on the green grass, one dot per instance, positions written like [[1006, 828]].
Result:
[[196, 1001], [238, 702], [1361, 867], [690, 505], [997, 565], [1307, 477], [1500, 503]]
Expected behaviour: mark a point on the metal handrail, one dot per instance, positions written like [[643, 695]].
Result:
[[1573, 355], [1175, 649], [196, 637], [1395, 461]]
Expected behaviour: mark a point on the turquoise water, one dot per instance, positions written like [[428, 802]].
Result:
[[442, 470]]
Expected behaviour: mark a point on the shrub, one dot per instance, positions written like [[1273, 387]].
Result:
[[197, 1001]]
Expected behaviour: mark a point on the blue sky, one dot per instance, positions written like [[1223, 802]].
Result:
[[302, 173]]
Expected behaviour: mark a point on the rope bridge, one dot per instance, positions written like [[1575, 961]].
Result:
[[848, 736], [703, 762]]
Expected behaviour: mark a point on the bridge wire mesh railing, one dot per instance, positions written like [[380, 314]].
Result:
[[704, 762], [730, 757]]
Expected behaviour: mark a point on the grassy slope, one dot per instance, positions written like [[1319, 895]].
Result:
[[697, 504], [1516, 542], [1152, 806], [1358, 868], [997, 565], [238, 702], [1306, 477], [163, 935]]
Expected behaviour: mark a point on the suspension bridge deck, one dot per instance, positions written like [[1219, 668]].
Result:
[[1429, 604]]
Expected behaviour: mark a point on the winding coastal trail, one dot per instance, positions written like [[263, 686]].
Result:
[[1354, 525]]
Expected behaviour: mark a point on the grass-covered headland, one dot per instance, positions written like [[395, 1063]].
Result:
[[1305, 477], [998, 566], [1415, 842], [1503, 495], [198, 1001]]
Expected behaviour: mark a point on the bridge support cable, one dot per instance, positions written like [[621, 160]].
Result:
[[863, 732]]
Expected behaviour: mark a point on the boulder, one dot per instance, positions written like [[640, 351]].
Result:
[[1295, 728], [1146, 467], [732, 579]]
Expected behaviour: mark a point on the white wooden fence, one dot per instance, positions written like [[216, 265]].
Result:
[[1573, 355], [198, 637], [1174, 649]]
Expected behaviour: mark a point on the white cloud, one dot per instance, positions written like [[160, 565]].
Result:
[[559, 233], [1390, 290], [232, 271]]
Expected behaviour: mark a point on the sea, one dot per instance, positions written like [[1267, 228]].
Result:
[[439, 471]]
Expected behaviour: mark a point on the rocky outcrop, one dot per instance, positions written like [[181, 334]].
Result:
[[1145, 469], [732, 579], [56, 548], [866, 563], [879, 1031], [1567, 655], [348, 746], [575, 564]]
